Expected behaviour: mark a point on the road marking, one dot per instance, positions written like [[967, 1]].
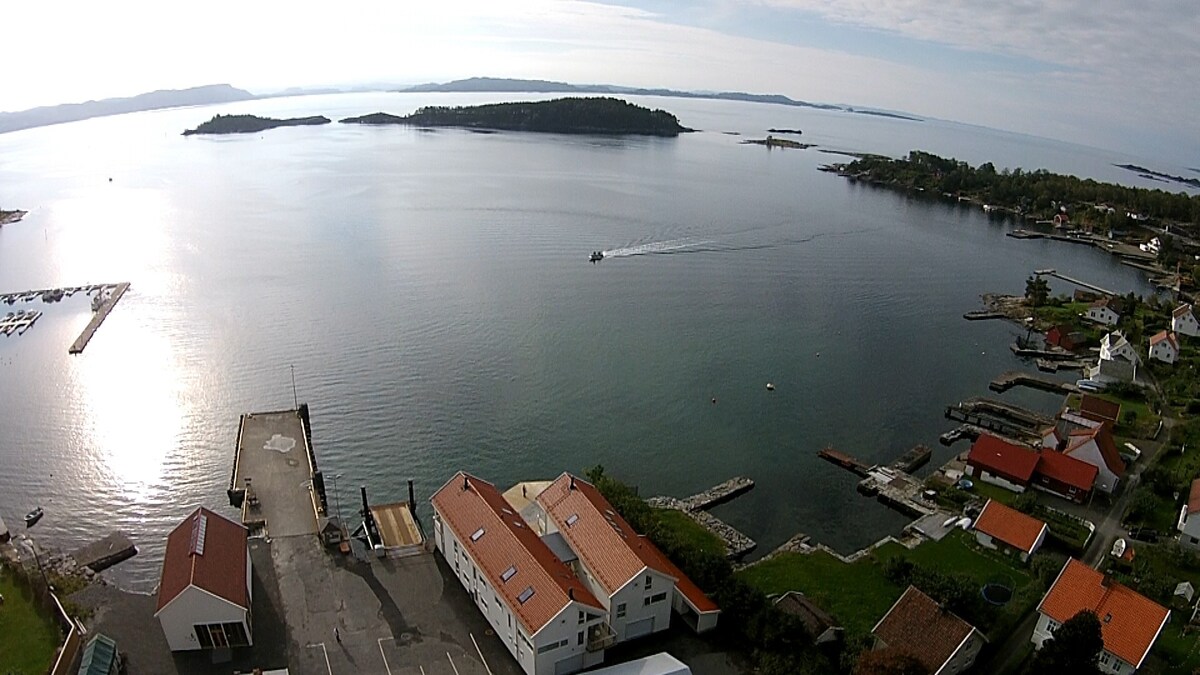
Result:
[[480, 653], [326, 652], [385, 663], [452, 663]]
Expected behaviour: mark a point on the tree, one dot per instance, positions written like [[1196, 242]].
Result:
[[1074, 649], [888, 661], [1037, 290]]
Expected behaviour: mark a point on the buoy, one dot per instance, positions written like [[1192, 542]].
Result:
[[714, 400], [770, 387]]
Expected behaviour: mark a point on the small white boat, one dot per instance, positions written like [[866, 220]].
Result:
[[33, 516]]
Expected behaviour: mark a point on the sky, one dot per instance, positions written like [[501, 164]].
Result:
[[1113, 74]]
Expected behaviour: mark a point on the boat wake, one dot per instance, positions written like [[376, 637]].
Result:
[[690, 245], [658, 248]]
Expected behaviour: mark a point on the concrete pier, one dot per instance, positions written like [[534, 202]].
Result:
[[736, 543], [1015, 378], [98, 318], [273, 474], [845, 461], [719, 494], [105, 553]]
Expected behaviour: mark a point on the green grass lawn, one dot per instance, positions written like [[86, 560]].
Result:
[[682, 526], [859, 594], [28, 640], [989, 491]]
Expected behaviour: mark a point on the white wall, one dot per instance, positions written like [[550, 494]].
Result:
[[1042, 632], [988, 477], [1190, 531], [964, 657], [634, 594], [1106, 480], [1163, 352], [1186, 324], [194, 606]]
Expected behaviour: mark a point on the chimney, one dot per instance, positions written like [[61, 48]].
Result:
[[572, 483], [570, 592], [466, 486]]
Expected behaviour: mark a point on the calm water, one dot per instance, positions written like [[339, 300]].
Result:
[[432, 292]]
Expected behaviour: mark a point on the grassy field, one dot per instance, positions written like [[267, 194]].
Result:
[[859, 594], [27, 639], [689, 530]]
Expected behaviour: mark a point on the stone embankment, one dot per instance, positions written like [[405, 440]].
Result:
[[736, 543]]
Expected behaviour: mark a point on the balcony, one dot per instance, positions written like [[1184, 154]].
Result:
[[600, 637]]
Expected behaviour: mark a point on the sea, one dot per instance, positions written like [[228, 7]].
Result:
[[429, 294]]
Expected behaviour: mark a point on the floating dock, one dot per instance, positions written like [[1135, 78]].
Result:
[[18, 322], [105, 553], [1024, 234], [1073, 280], [98, 318], [398, 530], [1014, 378]]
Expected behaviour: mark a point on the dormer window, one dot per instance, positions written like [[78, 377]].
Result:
[[475, 536]]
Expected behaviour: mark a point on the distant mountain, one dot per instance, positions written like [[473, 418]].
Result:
[[495, 84], [155, 100]]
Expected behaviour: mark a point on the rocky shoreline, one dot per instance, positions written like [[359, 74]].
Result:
[[9, 217]]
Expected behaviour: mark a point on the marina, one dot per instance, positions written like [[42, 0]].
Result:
[[16, 323]]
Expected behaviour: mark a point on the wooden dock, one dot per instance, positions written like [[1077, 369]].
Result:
[[1015, 378], [105, 553], [1073, 280], [845, 461], [98, 318]]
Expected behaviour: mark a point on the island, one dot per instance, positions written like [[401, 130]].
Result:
[[596, 115], [773, 130], [772, 142], [248, 124], [7, 217], [1158, 175]]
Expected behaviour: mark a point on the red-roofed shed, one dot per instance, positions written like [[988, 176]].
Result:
[[1064, 475], [204, 593], [994, 460]]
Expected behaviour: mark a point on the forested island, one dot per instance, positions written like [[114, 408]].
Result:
[[7, 217], [248, 124], [1034, 194], [598, 115], [1158, 175]]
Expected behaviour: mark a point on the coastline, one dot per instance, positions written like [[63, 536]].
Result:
[[10, 217]]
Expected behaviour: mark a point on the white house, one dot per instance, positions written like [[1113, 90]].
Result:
[[1183, 321], [1004, 528], [918, 625], [546, 617], [1189, 518], [637, 585], [1164, 346], [1118, 360], [1093, 445], [1115, 346], [1129, 622], [1101, 311], [204, 594]]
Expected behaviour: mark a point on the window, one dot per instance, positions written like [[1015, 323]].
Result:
[[649, 581], [581, 618], [1105, 658], [218, 635], [621, 610], [579, 638], [572, 519], [508, 573], [654, 599], [1052, 625], [525, 595], [477, 534], [552, 646]]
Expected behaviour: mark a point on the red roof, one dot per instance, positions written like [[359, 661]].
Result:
[[1166, 335], [1000, 457], [607, 544], [1129, 621], [1098, 409], [207, 551], [1010, 526], [1181, 311], [1102, 435], [1193, 502], [497, 539], [918, 625], [1066, 469]]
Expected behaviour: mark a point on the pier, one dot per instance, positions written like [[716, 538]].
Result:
[[275, 480], [1073, 280], [736, 543], [967, 431], [18, 322], [982, 315], [98, 318], [105, 553], [913, 459], [1014, 378], [892, 485], [845, 461]]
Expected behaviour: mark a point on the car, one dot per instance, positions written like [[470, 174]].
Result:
[[1134, 451], [1091, 385], [1145, 534]]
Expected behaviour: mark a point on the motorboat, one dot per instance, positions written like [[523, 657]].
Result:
[[596, 256], [33, 516]]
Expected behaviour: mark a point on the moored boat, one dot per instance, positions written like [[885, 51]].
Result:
[[33, 516]]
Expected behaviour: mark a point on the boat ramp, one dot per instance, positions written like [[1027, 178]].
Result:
[[737, 544]]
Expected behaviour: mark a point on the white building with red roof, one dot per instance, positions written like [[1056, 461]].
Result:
[[204, 594], [1093, 445], [1001, 527], [1189, 518], [1164, 346], [1103, 311], [1183, 321], [916, 624], [546, 617], [1129, 621], [635, 582]]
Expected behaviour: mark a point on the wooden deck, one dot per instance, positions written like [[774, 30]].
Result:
[[397, 527]]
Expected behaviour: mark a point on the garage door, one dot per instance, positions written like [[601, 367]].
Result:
[[639, 628], [569, 665]]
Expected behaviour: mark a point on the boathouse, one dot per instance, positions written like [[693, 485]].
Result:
[[546, 617], [205, 591]]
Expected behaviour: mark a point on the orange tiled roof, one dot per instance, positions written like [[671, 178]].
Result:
[[606, 543], [1194, 497], [1129, 621], [467, 505], [1009, 526], [1102, 434], [208, 551], [1166, 335], [918, 625], [1001, 457], [1181, 311]]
